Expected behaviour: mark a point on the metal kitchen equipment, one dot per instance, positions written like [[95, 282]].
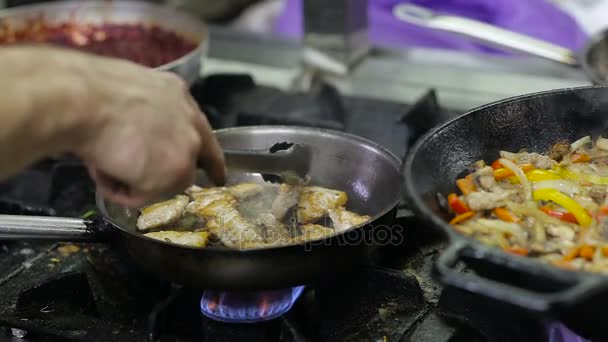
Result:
[[335, 34], [535, 122], [593, 59], [336, 161], [48, 289], [141, 12]]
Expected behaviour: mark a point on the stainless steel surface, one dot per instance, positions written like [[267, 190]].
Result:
[[15, 227], [209, 9], [596, 58], [97, 12], [335, 34], [296, 159], [462, 80], [484, 32]]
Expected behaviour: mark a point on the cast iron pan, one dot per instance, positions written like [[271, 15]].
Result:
[[534, 122]]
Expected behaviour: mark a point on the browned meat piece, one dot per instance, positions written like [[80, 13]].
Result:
[[245, 190], [225, 222], [163, 213], [315, 201], [598, 193], [484, 178], [312, 232], [481, 200], [205, 197], [275, 230], [192, 239], [559, 150], [286, 199], [343, 219], [538, 160]]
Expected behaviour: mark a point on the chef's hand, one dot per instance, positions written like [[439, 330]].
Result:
[[149, 136], [138, 130]]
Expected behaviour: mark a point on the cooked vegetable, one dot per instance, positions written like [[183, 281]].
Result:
[[565, 202], [466, 185], [580, 158], [457, 205], [506, 215], [562, 185], [580, 143], [519, 174], [462, 217], [552, 207], [538, 175], [564, 216], [505, 172]]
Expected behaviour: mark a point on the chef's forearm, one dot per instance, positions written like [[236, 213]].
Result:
[[43, 100]]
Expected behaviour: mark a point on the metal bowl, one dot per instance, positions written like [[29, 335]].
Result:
[[122, 12]]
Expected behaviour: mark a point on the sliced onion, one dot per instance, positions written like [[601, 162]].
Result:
[[602, 143], [562, 185], [519, 174], [580, 143]]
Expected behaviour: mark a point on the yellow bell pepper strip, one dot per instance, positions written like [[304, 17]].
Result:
[[539, 175], [462, 217], [594, 179], [552, 195], [503, 172]]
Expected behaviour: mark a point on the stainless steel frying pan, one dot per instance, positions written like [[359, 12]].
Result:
[[593, 59], [134, 12], [367, 172]]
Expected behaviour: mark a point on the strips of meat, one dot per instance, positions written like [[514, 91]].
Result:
[[274, 230], [245, 190], [484, 178], [205, 197], [315, 201], [162, 213], [482, 200], [559, 150], [538, 160], [343, 219], [286, 199], [312, 232], [225, 221], [192, 239]]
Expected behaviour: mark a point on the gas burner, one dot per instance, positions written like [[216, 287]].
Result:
[[230, 307], [558, 332]]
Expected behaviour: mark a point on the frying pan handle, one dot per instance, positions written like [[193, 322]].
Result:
[[484, 33], [20, 227], [568, 289]]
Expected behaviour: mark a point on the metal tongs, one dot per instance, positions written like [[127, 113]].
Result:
[[282, 159]]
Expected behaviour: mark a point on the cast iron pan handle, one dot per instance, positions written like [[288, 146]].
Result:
[[529, 299]]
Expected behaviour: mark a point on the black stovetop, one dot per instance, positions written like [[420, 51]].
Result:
[[92, 292]]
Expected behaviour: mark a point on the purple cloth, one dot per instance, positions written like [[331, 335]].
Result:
[[536, 18]]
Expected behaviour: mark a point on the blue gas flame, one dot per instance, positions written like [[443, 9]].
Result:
[[230, 307]]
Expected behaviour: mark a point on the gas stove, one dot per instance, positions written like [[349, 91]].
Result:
[[92, 291]]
